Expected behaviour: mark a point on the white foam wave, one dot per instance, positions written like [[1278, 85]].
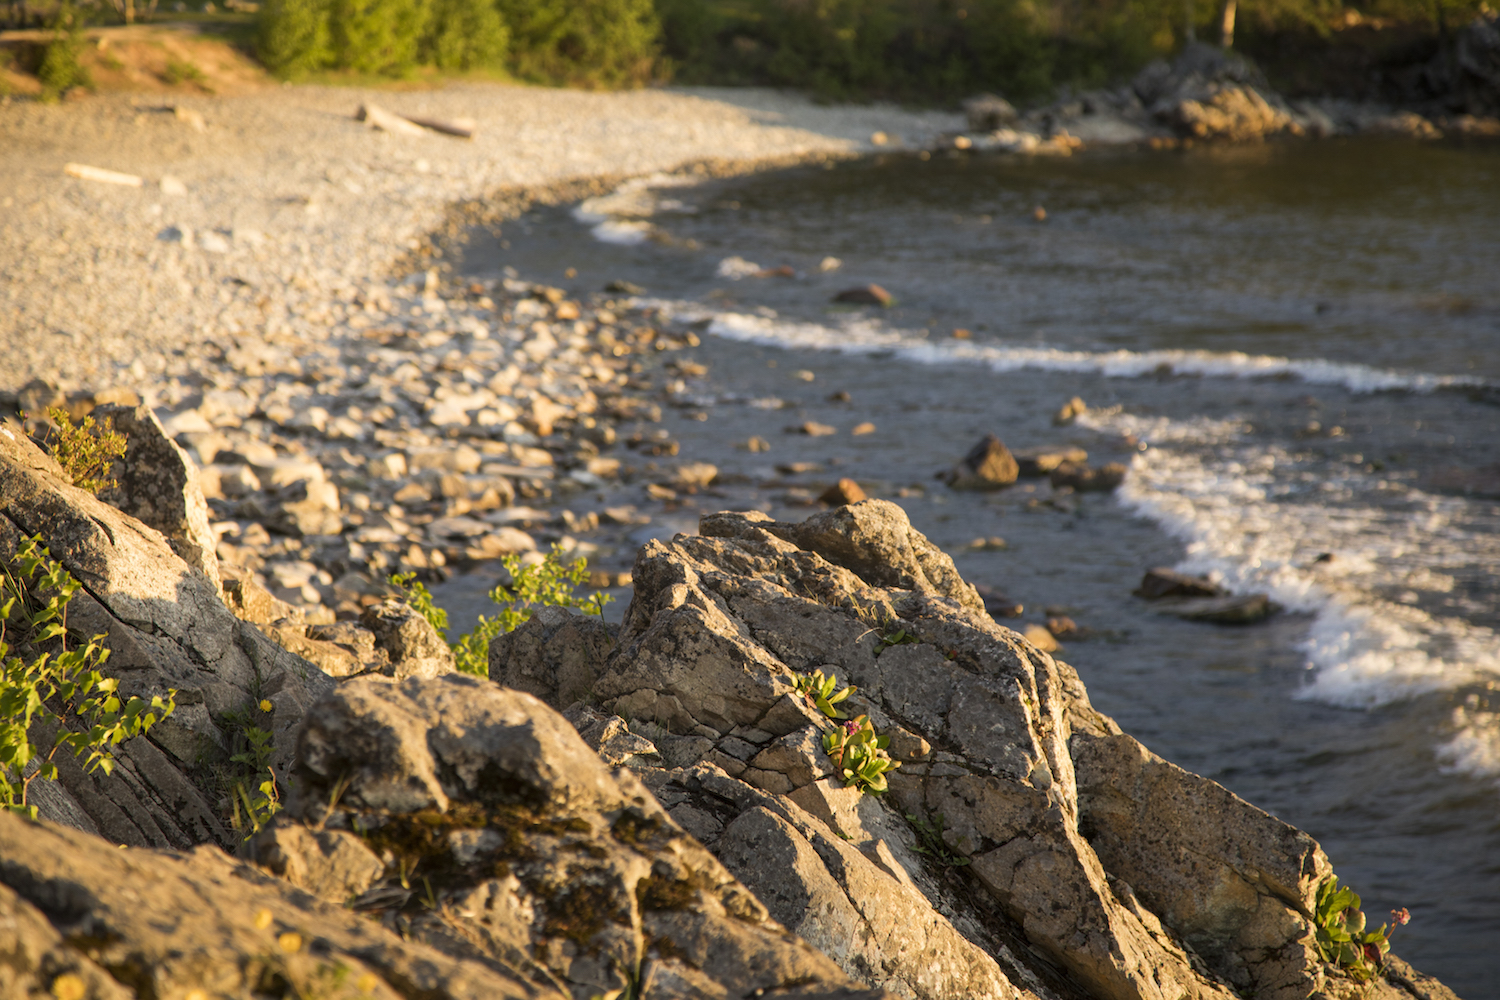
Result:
[[625, 232], [621, 215], [1257, 518], [863, 336], [1475, 746]]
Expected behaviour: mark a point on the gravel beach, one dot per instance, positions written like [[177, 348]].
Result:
[[266, 214]]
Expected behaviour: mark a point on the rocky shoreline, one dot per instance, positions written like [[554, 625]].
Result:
[[300, 426], [680, 830]]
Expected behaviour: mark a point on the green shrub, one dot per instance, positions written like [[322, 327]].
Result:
[[293, 36], [86, 451], [61, 688], [60, 70], [583, 43], [465, 34], [549, 583], [378, 36]]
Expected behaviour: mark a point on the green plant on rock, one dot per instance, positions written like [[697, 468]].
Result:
[[86, 450], [65, 687], [254, 796], [1341, 936], [859, 754], [547, 583], [892, 634], [822, 693]]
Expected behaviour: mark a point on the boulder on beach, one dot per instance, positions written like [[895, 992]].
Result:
[[988, 112]]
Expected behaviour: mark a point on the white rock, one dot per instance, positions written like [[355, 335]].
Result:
[[172, 186], [286, 471], [186, 422]]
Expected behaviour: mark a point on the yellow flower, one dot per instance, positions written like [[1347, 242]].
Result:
[[263, 920], [290, 942], [196, 995], [367, 983], [265, 705], [68, 987]]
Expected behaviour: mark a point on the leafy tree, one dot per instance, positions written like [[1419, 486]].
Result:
[[583, 43], [60, 70], [378, 36], [294, 36], [465, 34]]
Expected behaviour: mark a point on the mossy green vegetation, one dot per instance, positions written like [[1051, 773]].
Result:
[[52, 682]]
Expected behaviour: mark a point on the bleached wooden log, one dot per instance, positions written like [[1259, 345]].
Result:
[[461, 127], [88, 173], [377, 117]]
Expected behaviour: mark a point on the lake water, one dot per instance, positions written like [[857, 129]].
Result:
[[1297, 349]]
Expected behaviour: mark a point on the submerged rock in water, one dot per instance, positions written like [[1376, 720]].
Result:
[[865, 295], [989, 465], [1082, 478], [1241, 609], [1164, 582]]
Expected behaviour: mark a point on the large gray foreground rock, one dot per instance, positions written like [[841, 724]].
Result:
[[474, 818], [157, 483], [140, 923], [448, 839], [167, 629], [1047, 854]]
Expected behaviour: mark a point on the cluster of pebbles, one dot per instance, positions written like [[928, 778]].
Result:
[[436, 427]]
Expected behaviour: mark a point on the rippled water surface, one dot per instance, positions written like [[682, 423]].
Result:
[[1304, 338]]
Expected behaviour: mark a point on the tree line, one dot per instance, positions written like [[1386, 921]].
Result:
[[919, 50]]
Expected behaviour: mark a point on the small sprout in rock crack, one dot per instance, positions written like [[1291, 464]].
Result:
[[86, 450], [821, 693], [893, 635], [930, 842], [859, 755], [1341, 936], [35, 591], [259, 807]]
